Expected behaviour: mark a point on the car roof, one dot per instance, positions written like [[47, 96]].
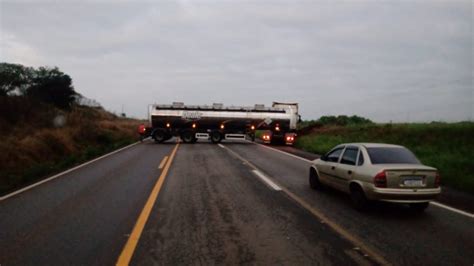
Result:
[[371, 145]]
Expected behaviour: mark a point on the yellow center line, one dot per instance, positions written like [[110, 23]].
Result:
[[132, 241], [162, 164]]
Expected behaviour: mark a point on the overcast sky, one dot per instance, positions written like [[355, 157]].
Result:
[[385, 60]]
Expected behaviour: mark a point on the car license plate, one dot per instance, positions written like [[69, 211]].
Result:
[[413, 182]]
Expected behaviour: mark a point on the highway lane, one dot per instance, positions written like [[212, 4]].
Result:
[[83, 217], [437, 237], [214, 210]]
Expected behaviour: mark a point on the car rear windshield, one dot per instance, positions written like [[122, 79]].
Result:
[[392, 155]]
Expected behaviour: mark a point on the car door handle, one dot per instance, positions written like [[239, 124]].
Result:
[[333, 167], [349, 172]]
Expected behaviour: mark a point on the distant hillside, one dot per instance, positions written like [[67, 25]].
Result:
[[446, 146]]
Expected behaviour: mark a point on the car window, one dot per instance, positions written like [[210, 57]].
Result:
[[361, 159], [349, 157], [333, 156], [391, 155]]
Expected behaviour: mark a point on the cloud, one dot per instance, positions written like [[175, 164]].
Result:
[[385, 60], [13, 49]]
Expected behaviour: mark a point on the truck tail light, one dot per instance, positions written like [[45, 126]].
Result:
[[141, 129], [380, 180], [437, 179]]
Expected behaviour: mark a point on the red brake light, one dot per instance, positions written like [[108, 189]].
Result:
[[380, 180], [141, 129], [437, 180]]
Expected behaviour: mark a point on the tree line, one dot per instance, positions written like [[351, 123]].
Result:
[[46, 84]]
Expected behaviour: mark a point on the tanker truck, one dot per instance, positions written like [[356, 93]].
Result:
[[217, 122]]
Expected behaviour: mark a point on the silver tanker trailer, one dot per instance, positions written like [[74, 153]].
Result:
[[217, 122]]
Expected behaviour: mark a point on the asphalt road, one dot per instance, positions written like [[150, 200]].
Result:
[[235, 203]]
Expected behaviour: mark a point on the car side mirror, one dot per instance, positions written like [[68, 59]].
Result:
[[324, 158]]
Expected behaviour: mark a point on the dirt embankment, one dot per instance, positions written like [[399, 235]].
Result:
[[37, 140]]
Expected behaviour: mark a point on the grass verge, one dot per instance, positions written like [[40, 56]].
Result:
[[446, 146]]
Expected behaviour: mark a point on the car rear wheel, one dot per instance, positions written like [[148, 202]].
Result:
[[314, 182], [419, 207], [358, 198]]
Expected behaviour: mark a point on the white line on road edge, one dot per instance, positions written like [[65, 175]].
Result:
[[65, 172], [220, 145], [162, 164], [286, 153], [266, 180], [373, 253], [470, 215]]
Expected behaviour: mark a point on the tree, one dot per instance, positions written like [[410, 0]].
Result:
[[52, 86], [14, 78]]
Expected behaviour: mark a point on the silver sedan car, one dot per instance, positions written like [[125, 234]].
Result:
[[383, 172]]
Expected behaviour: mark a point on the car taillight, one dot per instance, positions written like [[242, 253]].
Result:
[[437, 180], [380, 180]]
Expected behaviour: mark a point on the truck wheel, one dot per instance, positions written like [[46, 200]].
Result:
[[188, 137], [159, 136], [216, 137]]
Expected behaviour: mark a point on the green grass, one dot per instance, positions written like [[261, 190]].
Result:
[[448, 147]]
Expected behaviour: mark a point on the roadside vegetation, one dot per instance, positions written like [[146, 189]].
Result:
[[446, 146], [46, 128]]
